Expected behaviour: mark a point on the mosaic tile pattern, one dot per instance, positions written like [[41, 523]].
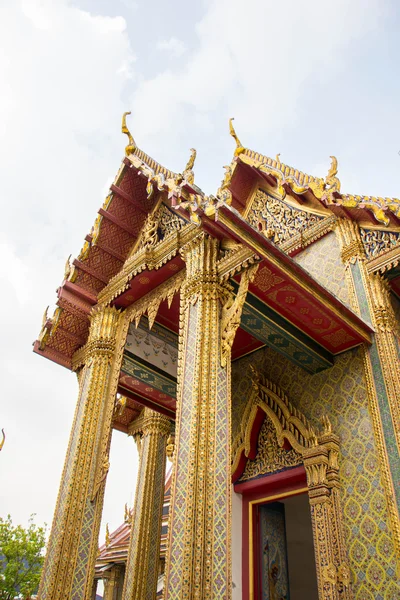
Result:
[[322, 260], [339, 392], [53, 547], [222, 490], [383, 403], [88, 535], [177, 518], [151, 472], [287, 343]]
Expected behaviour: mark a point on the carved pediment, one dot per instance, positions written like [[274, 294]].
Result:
[[271, 457], [278, 220], [377, 241]]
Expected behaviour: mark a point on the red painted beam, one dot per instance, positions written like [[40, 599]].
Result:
[[122, 194], [124, 391], [117, 222], [93, 272], [105, 248], [73, 336], [290, 192], [87, 297], [53, 355]]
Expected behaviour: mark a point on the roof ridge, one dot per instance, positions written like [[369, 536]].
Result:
[[300, 176]]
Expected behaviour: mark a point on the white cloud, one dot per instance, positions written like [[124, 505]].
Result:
[[63, 72], [257, 61], [173, 46]]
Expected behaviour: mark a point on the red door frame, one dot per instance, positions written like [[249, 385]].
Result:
[[255, 492]]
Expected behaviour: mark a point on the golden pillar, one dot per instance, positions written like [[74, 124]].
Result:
[[331, 443], [112, 581], [142, 566], [198, 564], [370, 297], [69, 564], [316, 465]]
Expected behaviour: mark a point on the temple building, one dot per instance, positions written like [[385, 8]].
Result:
[[253, 336]]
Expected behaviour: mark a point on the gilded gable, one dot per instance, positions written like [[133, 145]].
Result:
[[278, 220]]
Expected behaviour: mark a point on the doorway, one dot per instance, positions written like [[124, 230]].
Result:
[[285, 562]]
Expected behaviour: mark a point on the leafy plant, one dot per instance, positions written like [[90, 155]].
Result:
[[21, 558]]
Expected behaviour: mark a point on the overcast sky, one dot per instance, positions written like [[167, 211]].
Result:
[[306, 79]]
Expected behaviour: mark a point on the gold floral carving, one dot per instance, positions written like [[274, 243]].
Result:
[[278, 221], [350, 241], [168, 221], [271, 457], [266, 279], [378, 241], [149, 236], [146, 259], [382, 306], [232, 312]]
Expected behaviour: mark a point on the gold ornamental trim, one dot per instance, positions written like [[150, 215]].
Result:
[[147, 258]]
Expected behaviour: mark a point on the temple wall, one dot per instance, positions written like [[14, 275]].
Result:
[[237, 546], [322, 259], [339, 392]]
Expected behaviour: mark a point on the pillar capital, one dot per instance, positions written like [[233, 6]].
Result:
[[103, 330], [350, 241], [316, 461], [155, 423], [150, 422], [381, 306], [200, 256]]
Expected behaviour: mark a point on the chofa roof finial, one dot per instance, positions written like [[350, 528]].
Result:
[[239, 148], [130, 148], [188, 173]]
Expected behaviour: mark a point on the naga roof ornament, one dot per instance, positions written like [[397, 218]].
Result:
[[188, 173], [131, 147], [239, 148]]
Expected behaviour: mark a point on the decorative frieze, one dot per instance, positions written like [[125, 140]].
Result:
[[279, 221], [378, 241]]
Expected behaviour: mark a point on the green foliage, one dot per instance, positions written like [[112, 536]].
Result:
[[21, 558]]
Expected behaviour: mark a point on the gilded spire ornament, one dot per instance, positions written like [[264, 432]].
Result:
[[331, 180], [188, 173], [3, 440], [67, 268], [108, 540], [239, 148], [328, 186], [130, 148], [127, 514]]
